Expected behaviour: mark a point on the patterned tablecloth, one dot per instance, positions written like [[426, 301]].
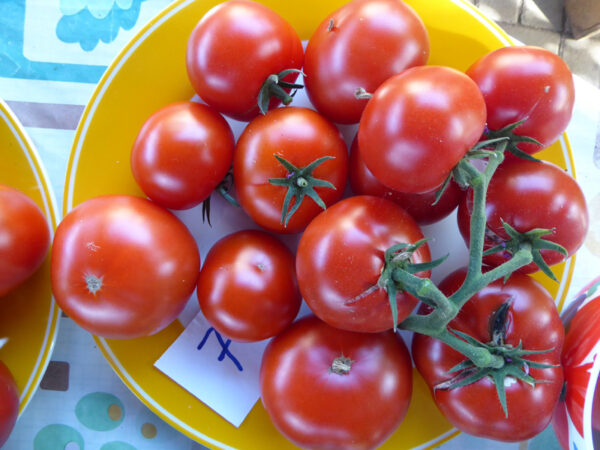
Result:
[[52, 54]]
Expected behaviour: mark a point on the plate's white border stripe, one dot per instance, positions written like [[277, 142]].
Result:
[[51, 211], [440, 440], [112, 71], [10, 120], [563, 284], [119, 367], [565, 149]]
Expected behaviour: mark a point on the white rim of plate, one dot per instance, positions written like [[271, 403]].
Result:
[[52, 213]]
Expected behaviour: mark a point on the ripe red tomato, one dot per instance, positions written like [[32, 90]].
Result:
[[418, 125], [247, 287], [123, 267], [528, 195], [341, 255], [419, 206], [181, 154], [329, 388], [361, 45], [24, 238], [526, 83], [233, 50], [532, 321], [9, 403], [300, 136]]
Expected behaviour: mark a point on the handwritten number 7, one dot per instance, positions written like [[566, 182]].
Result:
[[224, 347]]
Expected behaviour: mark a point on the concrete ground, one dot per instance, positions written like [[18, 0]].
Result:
[[545, 23]]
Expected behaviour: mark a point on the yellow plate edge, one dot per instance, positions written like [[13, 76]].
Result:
[[102, 85], [51, 210]]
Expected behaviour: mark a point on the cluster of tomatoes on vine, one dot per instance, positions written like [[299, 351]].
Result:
[[124, 267]]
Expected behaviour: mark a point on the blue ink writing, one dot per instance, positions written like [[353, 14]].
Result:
[[224, 347]]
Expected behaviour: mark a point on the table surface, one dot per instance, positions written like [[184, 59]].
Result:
[[52, 54]]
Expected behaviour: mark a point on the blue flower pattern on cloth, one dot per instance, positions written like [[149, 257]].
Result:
[[88, 22]]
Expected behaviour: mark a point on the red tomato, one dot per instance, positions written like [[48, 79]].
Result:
[[361, 45], [532, 321], [181, 154], [341, 255], [300, 136], [233, 50], [418, 125], [9, 403], [419, 206], [526, 83], [123, 267], [24, 238], [528, 195], [333, 389], [247, 287]]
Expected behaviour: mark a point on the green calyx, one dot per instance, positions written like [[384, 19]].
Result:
[[223, 189], [463, 173], [515, 367], [399, 259], [510, 362], [532, 239], [300, 182], [275, 86], [513, 139]]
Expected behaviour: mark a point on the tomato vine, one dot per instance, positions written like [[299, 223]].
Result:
[[492, 359]]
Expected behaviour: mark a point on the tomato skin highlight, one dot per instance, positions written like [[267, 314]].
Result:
[[300, 136], [528, 195], [341, 256], [232, 51], [316, 408], [247, 287], [418, 125], [181, 154], [525, 82], [123, 267], [370, 41], [25, 238], [9, 403], [419, 206], [533, 320]]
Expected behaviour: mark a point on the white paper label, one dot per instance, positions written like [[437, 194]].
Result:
[[220, 372]]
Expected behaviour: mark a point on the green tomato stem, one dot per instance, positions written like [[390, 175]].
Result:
[[479, 356], [445, 309]]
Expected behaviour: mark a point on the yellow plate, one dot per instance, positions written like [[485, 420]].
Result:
[[150, 73], [28, 315]]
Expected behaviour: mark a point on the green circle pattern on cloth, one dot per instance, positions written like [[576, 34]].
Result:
[[56, 436], [117, 445], [100, 411]]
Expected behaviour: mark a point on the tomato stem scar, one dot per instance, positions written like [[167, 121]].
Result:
[[362, 94], [341, 365], [93, 283]]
